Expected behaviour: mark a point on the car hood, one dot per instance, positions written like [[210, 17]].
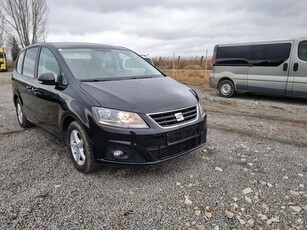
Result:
[[149, 95]]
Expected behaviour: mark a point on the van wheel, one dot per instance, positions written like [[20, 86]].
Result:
[[79, 147], [226, 88], [21, 116]]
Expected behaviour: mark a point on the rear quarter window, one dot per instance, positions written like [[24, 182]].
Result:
[[232, 55], [20, 62]]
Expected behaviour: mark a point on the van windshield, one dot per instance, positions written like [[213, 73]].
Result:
[[107, 64]]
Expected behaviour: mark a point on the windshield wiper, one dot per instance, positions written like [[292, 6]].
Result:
[[140, 77], [95, 80]]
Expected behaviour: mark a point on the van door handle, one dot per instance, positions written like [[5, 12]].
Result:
[[285, 67], [295, 67]]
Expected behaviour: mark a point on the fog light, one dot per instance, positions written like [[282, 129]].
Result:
[[119, 154]]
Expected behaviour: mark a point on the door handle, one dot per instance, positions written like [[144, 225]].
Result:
[[285, 67], [295, 67], [31, 88]]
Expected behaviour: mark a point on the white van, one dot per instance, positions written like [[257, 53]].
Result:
[[276, 67]]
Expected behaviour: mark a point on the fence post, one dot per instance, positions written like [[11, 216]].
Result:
[[173, 64], [206, 60]]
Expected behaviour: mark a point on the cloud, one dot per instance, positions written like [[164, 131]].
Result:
[[160, 28]]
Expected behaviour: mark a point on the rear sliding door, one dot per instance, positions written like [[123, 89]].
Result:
[[269, 68]]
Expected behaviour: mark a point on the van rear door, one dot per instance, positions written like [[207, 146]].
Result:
[[269, 67], [298, 69]]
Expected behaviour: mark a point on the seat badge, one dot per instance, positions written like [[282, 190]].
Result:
[[179, 116]]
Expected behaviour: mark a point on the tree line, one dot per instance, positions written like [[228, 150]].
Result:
[[22, 23]]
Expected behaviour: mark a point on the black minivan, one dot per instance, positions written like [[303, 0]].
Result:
[[107, 103]]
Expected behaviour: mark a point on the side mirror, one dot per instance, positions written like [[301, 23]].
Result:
[[47, 79]]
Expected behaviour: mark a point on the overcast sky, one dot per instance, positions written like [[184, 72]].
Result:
[[186, 27]]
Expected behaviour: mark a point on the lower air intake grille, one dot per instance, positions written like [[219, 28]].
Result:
[[176, 149]]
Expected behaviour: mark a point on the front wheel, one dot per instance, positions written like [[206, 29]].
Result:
[[80, 150], [226, 88]]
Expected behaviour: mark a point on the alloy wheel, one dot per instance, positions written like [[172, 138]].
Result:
[[77, 147], [19, 113]]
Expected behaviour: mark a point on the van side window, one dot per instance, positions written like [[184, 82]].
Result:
[[29, 63], [47, 63], [232, 55], [20, 62], [270, 55], [302, 51]]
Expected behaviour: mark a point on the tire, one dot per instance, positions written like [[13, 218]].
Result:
[[21, 116], [226, 88], [79, 148]]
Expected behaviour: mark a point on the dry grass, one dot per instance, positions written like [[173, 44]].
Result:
[[187, 70], [187, 63], [199, 78]]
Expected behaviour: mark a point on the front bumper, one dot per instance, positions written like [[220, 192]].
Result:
[[147, 146]]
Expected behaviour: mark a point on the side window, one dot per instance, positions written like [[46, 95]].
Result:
[[302, 51], [47, 63], [232, 55], [29, 63], [20, 62], [260, 53], [270, 55]]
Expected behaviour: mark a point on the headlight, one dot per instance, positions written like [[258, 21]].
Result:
[[118, 118], [201, 109]]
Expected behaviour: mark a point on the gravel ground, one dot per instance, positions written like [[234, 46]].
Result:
[[252, 174]]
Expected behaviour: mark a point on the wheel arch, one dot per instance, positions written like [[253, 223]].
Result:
[[17, 97], [67, 120]]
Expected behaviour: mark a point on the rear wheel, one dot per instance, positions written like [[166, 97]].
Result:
[[21, 116], [226, 88], [80, 150]]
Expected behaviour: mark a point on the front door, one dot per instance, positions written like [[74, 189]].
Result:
[[46, 96], [298, 69]]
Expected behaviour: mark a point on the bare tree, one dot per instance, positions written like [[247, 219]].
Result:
[[25, 19], [2, 31]]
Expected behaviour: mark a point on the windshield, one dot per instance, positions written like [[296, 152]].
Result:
[[107, 64]]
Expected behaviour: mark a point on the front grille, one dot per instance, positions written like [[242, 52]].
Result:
[[176, 149], [167, 119]]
